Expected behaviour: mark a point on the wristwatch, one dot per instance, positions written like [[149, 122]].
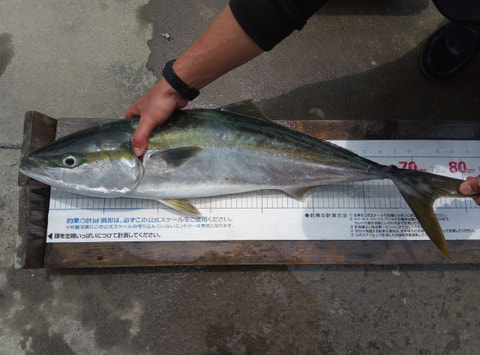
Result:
[[178, 84]]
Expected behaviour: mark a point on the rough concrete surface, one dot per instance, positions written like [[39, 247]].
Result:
[[354, 59]]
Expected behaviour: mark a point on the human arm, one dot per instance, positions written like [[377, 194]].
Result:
[[242, 31], [223, 47]]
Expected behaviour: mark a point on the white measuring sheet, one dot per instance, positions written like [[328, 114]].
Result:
[[372, 210]]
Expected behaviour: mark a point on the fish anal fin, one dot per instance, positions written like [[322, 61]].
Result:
[[176, 157], [299, 193], [181, 205]]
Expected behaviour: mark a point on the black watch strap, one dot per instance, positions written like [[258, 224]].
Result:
[[178, 84]]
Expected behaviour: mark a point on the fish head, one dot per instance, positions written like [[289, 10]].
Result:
[[95, 162]]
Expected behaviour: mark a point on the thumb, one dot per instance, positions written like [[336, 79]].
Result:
[[470, 186]]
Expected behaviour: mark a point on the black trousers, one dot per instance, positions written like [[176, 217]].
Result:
[[467, 11]]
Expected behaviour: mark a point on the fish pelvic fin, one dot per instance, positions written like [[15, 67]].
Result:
[[420, 190], [181, 205]]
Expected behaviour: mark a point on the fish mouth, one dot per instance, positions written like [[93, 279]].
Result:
[[38, 173]]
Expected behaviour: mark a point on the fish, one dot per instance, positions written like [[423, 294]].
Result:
[[227, 150]]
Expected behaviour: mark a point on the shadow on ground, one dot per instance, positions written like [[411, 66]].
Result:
[[394, 91]]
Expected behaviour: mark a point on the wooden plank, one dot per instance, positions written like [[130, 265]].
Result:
[[342, 129], [82, 255], [373, 129], [79, 255], [34, 196], [38, 130]]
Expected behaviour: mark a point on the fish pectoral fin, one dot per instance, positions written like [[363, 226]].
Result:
[[181, 205], [298, 193], [176, 157]]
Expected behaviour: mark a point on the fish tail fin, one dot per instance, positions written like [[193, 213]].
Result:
[[420, 190]]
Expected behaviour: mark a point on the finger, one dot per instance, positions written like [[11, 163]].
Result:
[[141, 134], [475, 184], [470, 186], [465, 188]]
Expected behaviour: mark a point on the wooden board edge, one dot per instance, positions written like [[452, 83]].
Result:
[[343, 129], [32, 227], [134, 254], [386, 129], [39, 130]]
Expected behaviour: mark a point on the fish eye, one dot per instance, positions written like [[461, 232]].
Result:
[[69, 161]]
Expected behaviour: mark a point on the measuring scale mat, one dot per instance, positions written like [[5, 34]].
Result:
[[372, 210]]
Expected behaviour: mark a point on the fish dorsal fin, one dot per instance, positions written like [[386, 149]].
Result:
[[176, 157], [299, 193], [182, 206], [245, 108]]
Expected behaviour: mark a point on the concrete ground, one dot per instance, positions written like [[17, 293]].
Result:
[[354, 59]]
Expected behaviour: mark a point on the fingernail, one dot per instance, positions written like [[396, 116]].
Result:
[[138, 151], [465, 189]]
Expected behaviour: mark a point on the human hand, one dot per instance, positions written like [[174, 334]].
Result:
[[154, 108], [470, 187]]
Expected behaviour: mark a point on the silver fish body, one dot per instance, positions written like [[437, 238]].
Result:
[[199, 153], [225, 153]]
